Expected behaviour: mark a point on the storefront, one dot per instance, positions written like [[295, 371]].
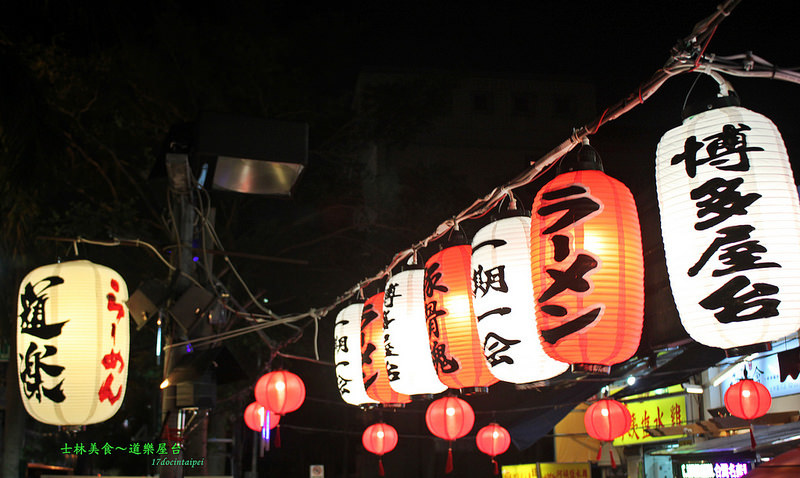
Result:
[[733, 456]]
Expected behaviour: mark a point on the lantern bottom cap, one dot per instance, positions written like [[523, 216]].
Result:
[[422, 397], [532, 385], [392, 405], [473, 390], [748, 349], [590, 368]]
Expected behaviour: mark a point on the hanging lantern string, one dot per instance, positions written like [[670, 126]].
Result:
[[688, 55]]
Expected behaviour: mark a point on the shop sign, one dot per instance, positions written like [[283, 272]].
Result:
[[767, 371], [655, 413], [548, 470], [713, 470]]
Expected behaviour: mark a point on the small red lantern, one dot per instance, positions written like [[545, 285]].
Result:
[[281, 392], [606, 420], [449, 418], [493, 440], [255, 416], [748, 400], [379, 439]]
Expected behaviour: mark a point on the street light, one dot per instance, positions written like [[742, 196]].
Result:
[[249, 155]]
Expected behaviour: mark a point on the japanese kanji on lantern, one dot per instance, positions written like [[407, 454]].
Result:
[[452, 327], [347, 356], [504, 300], [373, 355], [73, 339], [587, 267], [730, 221], [408, 359]]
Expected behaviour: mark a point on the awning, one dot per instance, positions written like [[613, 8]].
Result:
[[785, 464]]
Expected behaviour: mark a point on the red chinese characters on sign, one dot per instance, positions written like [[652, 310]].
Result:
[[112, 359]]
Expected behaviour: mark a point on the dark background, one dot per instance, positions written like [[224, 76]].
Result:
[[89, 91]]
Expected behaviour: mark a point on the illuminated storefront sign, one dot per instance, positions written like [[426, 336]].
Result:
[[713, 470], [655, 413], [767, 371], [547, 470]]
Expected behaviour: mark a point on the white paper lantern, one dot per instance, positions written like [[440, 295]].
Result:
[[408, 354], [73, 340], [504, 303], [347, 356], [731, 226]]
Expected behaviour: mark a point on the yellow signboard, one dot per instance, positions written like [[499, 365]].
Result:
[[548, 470], [656, 413]]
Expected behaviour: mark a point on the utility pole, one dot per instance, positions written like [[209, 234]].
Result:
[[235, 154], [180, 185]]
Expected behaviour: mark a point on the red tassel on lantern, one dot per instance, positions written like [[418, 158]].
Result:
[[449, 466]]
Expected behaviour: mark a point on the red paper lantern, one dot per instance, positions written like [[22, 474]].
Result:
[[373, 353], [748, 399], [452, 327], [254, 417], [606, 420], [493, 440], [280, 391], [587, 267], [379, 439], [449, 418]]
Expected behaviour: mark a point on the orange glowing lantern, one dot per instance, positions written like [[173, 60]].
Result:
[[373, 353], [379, 439], [606, 420], [493, 440], [449, 418], [256, 416], [587, 267], [452, 327]]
